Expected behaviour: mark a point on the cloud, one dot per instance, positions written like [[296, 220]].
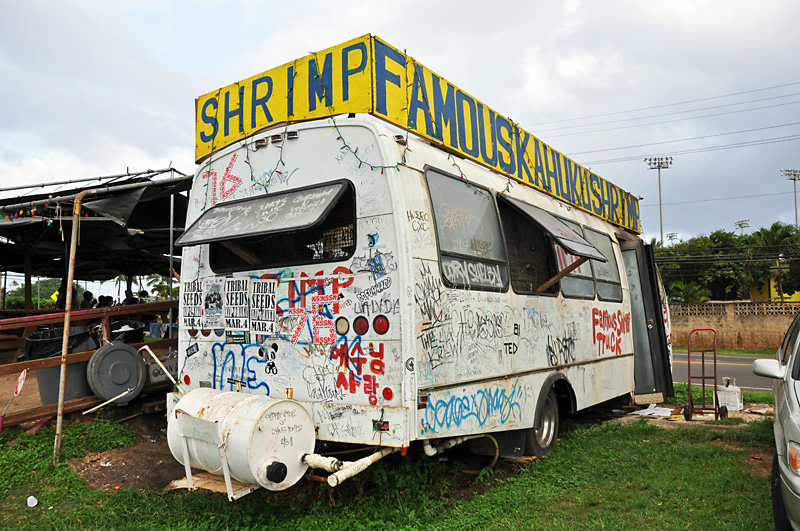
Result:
[[92, 88]]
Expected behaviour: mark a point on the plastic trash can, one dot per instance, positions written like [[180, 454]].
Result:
[[47, 343]]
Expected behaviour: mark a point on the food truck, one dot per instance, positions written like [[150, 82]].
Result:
[[375, 257]]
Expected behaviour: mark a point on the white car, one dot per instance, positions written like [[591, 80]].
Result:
[[785, 372]]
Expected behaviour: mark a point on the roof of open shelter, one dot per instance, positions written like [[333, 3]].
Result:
[[127, 225]]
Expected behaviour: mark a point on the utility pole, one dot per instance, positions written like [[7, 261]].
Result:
[[659, 163], [672, 236], [793, 175]]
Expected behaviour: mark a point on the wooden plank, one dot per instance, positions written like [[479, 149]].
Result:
[[36, 413], [83, 315], [208, 481], [75, 357]]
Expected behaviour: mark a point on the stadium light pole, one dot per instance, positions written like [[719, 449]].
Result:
[[793, 175], [742, 224], [659, 163]]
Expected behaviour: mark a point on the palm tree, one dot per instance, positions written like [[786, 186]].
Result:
[[779, 239], [159, 286], [689, 293]]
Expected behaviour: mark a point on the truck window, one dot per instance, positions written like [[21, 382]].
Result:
[[530, 255], [606, 275], [579, 283], [312, 226], [471, 250], [788, 341]]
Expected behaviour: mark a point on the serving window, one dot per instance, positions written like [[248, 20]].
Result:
[[557, 237], [303, 226], [531, 262]]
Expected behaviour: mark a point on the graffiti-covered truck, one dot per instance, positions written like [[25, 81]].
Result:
[[380, 259]]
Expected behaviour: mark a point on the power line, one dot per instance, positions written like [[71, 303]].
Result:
[[700, 150], [664, 105], [672, 113], [717, 199], [684, 139], [672, 121]]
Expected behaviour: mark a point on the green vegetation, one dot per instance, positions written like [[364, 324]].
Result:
[[45, 287], [682, 396], [611, 476], [735, 352], [725, 265]]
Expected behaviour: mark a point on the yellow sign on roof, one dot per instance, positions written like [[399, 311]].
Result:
[[367, 75]]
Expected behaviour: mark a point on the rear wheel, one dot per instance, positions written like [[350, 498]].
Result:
[[687, 412], [778, 508], [542, 437]]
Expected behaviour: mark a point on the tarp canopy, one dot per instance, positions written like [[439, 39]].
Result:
[[124, 227]]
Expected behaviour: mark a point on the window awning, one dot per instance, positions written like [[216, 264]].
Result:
[[256, 216], [567, 238]]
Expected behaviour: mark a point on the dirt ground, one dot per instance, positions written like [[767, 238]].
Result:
[[147, 464], [28, 397]]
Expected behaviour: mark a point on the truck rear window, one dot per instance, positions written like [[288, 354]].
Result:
[[329, 239]]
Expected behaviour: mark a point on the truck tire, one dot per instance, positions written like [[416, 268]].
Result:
[[541, 438]]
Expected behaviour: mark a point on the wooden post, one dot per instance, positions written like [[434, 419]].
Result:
[[76, 216]]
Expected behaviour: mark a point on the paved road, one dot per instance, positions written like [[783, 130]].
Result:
[[738, 367]]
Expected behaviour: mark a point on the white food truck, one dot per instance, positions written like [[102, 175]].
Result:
[[373, 256]]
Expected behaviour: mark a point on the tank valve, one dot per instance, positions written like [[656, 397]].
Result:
[[276, 472]]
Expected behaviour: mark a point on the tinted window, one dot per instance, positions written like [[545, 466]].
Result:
[[789, 340], [468, 231]]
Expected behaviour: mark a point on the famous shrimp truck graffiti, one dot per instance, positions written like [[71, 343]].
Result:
[[372, 256]]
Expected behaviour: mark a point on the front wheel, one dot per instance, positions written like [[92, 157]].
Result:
[[542, 437], [778, 508]]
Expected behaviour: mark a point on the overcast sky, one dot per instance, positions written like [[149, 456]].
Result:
[[93, 88]]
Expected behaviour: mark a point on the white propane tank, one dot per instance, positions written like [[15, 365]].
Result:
[[264, 438], [730, 395]]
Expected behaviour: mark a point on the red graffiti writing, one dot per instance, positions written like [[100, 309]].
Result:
[[224, 188], [608, 329], [298, 291], [351, 361]]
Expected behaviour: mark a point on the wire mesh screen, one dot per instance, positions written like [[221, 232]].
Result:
[[331, 240]]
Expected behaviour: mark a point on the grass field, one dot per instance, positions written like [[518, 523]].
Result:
[[749, 397], [734, 352], [611, 476]]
